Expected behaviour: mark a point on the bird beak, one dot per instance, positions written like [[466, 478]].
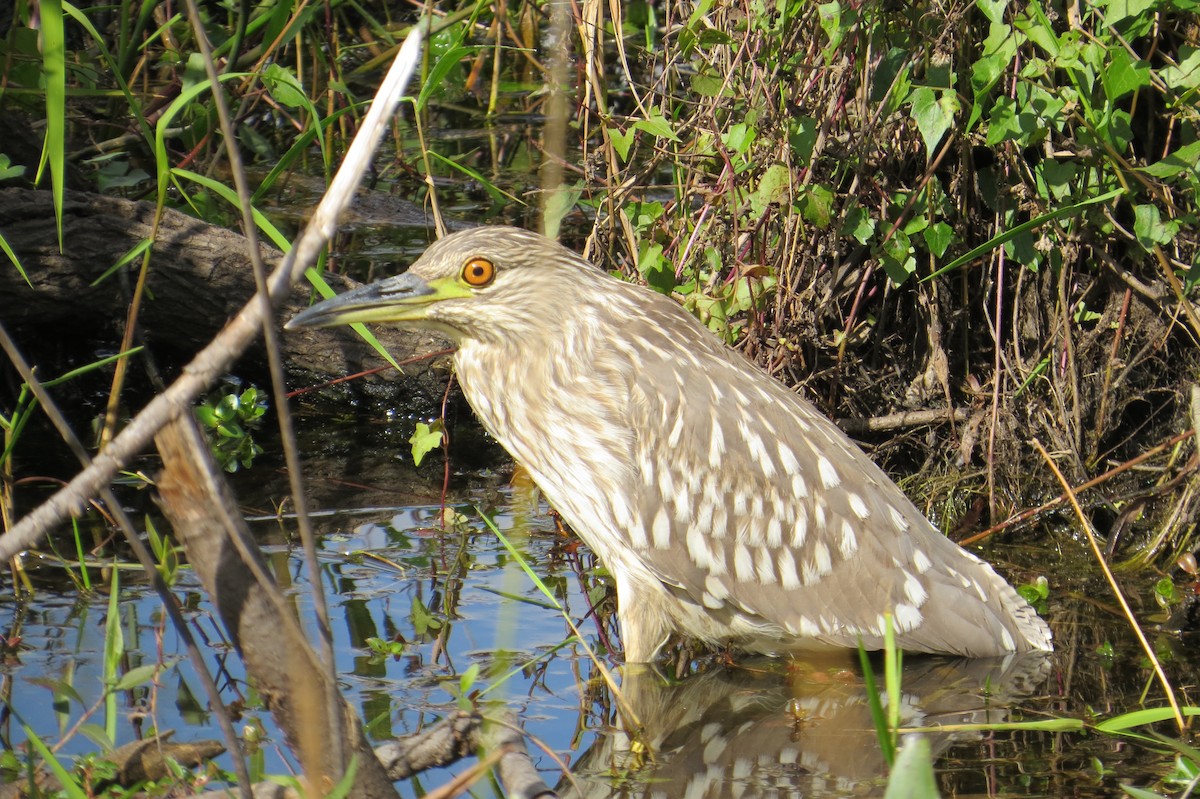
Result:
[[404, 298]]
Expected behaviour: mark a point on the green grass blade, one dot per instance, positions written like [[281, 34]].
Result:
[[114, 650], [177, 107], [519, 558], [67, 782], [1045, 725], [1013, 232], [12, 257], [54, 71], [498, 194], [230, 196], [1140, 718], [878, 717]]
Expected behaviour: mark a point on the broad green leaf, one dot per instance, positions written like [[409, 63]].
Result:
[[938, 237], [934, 113], [1118, 10], [427, 438], [816, 204], [830, 18], [1150, 228], [1185, 159], [912, 774], [859, 224], [773, 187], [135, 677], [1122, 74], [803, 137], [1187, 75], [993, 10], [657, 126], [897, 258], [708, 85], [657, 270], [284, 86], [739, 137], [622, 142]]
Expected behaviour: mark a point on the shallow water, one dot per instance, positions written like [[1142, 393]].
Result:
[[459, 600]]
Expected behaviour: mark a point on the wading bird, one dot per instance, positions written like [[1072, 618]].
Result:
[[726, 507]]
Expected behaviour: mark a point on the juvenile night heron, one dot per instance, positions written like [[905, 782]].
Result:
[[727, 508]]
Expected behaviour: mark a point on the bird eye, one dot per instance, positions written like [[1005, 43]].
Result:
[[478, 272]]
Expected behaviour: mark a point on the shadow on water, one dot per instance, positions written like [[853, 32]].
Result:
[[417, 605]]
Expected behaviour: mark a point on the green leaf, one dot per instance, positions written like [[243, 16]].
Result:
[[859, 224], [1013, 232], [657, 126], [816, 204], [739, 137], [7, 170], [1186, 76], [993, 10], [1185, 159], [69, 785], [284, 86], [1150, 228], [912, 774], [207, 416], [803, 137], [423, 621], [1122, 74], [830, 18], [1140, 718], [897, 258], [999, 48], [622, 142], [426, 438], [938, 237], [468, 678], [773, 187], [708, 85], [934, 113], [1004, 122], [655, 268], [437, 76], [135, 677]]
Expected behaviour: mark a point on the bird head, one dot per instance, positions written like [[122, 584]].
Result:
[[483, 283]]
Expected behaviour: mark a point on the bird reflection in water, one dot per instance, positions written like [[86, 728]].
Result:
[[788, 728]]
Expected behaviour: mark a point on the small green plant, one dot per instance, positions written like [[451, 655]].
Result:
[[231, 419], [466, 695], [382, 649], [426, 438], [887, 722], [1166, 594], [1036, 593]]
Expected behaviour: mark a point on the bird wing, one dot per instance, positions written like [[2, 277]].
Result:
[[765, 517]]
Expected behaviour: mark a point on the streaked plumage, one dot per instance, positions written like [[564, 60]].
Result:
[[727, 508]]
